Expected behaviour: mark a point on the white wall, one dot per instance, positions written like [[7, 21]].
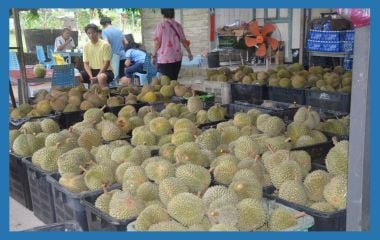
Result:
[[195, 22], [226, 16]]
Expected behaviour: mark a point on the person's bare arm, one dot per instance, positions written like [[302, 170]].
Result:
[[157, 45], [105, 66], [186, 46], [61, 47], [87, 69], [127, 62]]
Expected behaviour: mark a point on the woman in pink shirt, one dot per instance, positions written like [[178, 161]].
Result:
[[168, 37]]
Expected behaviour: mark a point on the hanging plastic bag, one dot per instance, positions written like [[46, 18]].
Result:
[[358, 16]]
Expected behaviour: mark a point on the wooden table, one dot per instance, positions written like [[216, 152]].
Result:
[[31, 80]]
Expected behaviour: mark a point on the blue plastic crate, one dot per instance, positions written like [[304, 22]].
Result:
[[314, 45], [63, 76], [347, 46], [331, 47], [315, 35], [349, 35], [325, 35]]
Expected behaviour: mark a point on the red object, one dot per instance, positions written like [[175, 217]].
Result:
[[358, 16], [16, 74], [212, 27]]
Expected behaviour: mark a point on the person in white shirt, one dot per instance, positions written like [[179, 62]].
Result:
[[64, 42]]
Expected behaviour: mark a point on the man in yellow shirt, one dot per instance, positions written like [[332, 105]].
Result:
[[97, 56]]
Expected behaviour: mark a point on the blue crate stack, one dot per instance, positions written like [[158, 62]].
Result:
[[322, 39]]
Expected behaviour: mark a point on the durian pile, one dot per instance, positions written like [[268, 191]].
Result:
[[79, 98], [317, 78], [208, 180], [338, 127], [31, 136], [243, 74], [302, 131], [172, 191], [324, 191], [59, 100]]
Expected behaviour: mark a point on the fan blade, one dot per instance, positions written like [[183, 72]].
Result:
[[253, 27], [268, 28], [250, 41], [261, 51], [272, 42]]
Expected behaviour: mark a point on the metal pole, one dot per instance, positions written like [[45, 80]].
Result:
[[358, 211], [302, 35], [24, 97]]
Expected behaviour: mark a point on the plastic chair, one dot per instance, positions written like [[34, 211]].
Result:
[[13, 61], [49, 51], [115, 62], [64, 76], [150, 71], [15, 65], [41, 57]]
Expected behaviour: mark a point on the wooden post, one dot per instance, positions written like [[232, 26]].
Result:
[[24, 97]]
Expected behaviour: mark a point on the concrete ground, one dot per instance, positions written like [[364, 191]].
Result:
[[21, 218]]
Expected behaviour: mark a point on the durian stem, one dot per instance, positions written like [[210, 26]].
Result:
[[270, 147], [288, 140], [335, 140], [103, 107], [257, 158], [57, 145], [82, 168], [299, 214], [104, 188]]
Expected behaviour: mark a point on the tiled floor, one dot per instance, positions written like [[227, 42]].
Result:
[[21, 218]]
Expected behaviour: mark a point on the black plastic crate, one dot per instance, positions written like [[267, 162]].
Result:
[[205, 126], [158, 106], [100, 221], [70, 118], [69, 226], [178, 100], [329, 114], [17, 123], [18, 181], [115, 110], [208, 99], [41, 192], [235, 107], [317, 152], [248, 93], [338, 137], [335, 101], [288, 95], [67, 204], [335, 221]]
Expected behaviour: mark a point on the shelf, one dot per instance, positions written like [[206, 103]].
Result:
[[328, 54]]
